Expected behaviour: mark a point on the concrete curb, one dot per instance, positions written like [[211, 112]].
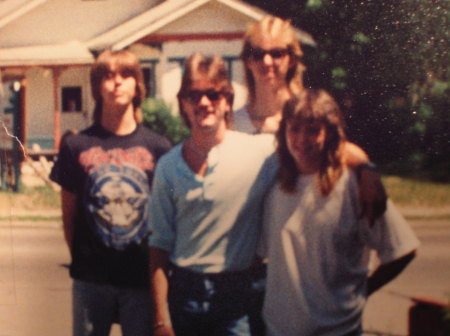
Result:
[[425, 212]]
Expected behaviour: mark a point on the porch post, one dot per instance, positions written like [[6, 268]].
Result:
[[23, 134], [56, 112]]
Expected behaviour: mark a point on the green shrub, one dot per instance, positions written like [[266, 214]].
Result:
[[447, 320], [158, 118]]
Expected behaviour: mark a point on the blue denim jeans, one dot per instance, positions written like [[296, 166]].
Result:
[[96, 307], [357, 332], [210, 304]]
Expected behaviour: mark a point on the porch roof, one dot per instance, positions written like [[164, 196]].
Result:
[[73, 52]]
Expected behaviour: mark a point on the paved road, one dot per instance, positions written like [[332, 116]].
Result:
[[35, 287], [428, 276]]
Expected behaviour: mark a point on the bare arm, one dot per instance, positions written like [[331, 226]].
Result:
[[353, 155], [386, 273], [159, 260], [372, 194], [69, 206]]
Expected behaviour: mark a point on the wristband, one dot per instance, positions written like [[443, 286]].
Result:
[[368, 165], [158, 324]]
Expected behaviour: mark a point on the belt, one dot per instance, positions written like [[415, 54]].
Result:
[[227, 276]]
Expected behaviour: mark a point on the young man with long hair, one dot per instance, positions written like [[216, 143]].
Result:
[[105, 172]]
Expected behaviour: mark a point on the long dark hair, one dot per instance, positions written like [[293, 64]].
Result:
[[312, 106], [124, 62]]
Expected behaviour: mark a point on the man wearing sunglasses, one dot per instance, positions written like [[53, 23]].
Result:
[[205, 212]]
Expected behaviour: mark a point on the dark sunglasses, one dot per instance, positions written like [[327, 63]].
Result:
[[194, 96], [258, 54]]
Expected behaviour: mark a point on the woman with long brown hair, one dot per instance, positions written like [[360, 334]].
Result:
[[316, 243]]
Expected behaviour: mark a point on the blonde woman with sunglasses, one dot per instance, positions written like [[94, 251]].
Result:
[[273, 72]]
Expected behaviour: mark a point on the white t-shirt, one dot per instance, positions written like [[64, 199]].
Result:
[[318, 254]]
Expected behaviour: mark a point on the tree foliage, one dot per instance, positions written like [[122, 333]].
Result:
[[387, 63], [158, 117]]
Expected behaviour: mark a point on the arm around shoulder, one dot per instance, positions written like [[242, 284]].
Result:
[[372, 193], [353, 155]]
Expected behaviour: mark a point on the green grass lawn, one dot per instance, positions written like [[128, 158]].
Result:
[[413, 193], [404, 192], [43, 196], [38, 202]]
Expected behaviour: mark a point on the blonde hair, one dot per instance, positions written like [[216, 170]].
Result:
[[125, 62], [313, 106], [276, 28], [212, 68]]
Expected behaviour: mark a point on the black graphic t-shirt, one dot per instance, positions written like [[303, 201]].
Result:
[[111, 176]]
